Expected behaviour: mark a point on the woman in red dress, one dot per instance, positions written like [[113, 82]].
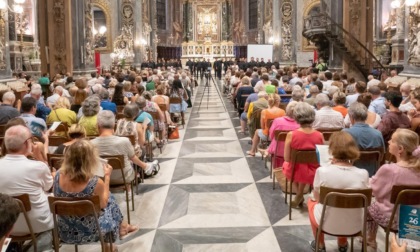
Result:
[[304, 138]]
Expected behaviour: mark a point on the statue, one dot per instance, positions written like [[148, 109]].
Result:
[[178, 31]]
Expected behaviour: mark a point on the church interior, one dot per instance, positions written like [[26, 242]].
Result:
[[210, 192]]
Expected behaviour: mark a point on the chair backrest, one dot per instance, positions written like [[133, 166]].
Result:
[[2, 129], [119, 116], [91, 137], [269, 123], [345, 198], [302, 157], [373, 154], [62, 127], [25, 206], [155, 115], [405, 195], [132, 139], [280, 135], [80, 207], [327, 133], [117, 163], [163, 107], [55, 160], [120, 108], [175, 100], [57, 140]]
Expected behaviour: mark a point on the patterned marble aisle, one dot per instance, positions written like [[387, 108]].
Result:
[[209, 196]]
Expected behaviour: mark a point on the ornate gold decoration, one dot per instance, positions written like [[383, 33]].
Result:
[[89, 51], [307, 45], [207, 25], [104, 6], [2, 41]]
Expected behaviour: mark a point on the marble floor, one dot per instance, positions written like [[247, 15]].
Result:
[[209, 196]]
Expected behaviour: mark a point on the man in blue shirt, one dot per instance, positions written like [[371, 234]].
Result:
[[378, 102], [105, 103], [365, 136], [36, 125], [42, 111]]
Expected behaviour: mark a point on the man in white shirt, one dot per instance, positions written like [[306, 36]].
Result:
[[27, 177], [326, 84], [360, 89], [58, 92], [92, 81], [372, 81], [325, 116]]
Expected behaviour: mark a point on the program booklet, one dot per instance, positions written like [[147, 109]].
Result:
[[409, 226]]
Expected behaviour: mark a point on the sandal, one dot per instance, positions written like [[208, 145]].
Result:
[[250, 154], [313, 247]]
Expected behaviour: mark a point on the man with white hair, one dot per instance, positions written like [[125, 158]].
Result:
[[406, 104], [7, 111], [22, 175], [58, 92], [42, 111], [313, 91], [109, 144], [372, 81], [325, 116]]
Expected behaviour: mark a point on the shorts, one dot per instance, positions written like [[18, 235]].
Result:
[[261, 135], [244, 117]]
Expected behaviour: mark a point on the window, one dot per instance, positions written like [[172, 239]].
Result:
[[253, 14], [161, 14]]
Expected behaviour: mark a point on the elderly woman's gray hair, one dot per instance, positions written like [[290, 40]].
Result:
[[147, 95], [358, 112], [304, 114], [131, 111], [104, 94], [290, 107], [106, 119], [298, 94], [322, 100], [90, 106], [141, 102]]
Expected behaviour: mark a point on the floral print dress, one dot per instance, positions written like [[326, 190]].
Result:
[[81, 230]]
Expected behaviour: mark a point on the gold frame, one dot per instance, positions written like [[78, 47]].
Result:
[[308, 7], [103, 5]]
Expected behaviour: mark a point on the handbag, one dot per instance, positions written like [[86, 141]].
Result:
[[174, 134]]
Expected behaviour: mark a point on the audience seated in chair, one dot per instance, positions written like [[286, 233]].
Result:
[[326, 117], [90, 109], [304, 138], [414, 114], [251, 98], [76, 179], [270, 113], [109, 144], [27, 176], [9, 213], [74, 133], [340, 174], [7, 111], [254, 112], [365, 136], [406, 171]]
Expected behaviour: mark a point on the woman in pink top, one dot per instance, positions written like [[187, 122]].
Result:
[[406, 171], [304, 138], [286, 123]]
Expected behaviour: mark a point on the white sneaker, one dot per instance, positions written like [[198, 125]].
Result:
[[152, 168]]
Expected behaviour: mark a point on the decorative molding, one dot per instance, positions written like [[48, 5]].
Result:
[[60, 37], [286, 11], [308, 46], [104, 5], [355, 12], [127, 13], [89, 50], [2, 40]]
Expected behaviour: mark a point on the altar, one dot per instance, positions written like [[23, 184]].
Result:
[[207, 50], [207, 30]]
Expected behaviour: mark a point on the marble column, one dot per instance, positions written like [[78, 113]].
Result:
[[137, 33], [276, 31], [335, 60], [287, 28]]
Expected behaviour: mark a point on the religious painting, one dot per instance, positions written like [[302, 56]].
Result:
[[207, 25]]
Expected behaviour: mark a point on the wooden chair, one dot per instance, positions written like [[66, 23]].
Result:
[[156, 119], [298, 157], [266, 143], [91, 137], [164, 110], [62, 127], [327, 133], [178, 100], [345, 199], [280, 136], [55, 160], [2, 129], [117, 163], [243, 101], [400, 195], [132, 139], [79, 207], [119, 116], [120, 109], [371, 155], [57, 140], [25, 206]]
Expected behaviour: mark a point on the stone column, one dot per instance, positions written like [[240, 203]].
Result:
[[335, 60], [5, 70], [287, 47], [397, 58], [276, 31], [137, 33]]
